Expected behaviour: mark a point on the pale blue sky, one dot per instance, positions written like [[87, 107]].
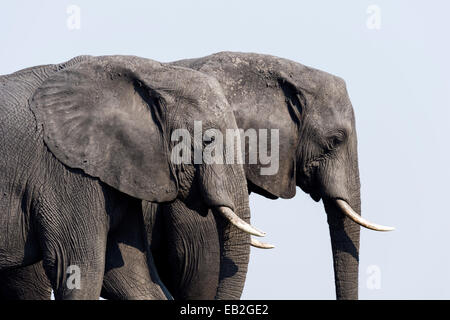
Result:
[[398, 80]]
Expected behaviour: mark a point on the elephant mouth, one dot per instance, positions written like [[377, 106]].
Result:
[[315, 196], [309, 188]]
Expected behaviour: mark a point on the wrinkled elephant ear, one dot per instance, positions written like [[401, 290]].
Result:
[[102, 116], [285, 110]]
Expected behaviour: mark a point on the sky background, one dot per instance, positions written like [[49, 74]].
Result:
[[394, 56]]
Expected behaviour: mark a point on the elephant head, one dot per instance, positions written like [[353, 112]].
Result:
[[313, 114], [114, 118]]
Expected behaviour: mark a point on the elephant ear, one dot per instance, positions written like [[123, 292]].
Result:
[[102, 117], [281, 111]]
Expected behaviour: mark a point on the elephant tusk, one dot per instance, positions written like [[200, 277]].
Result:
[[261, 245], [349, 212], [232, 217]]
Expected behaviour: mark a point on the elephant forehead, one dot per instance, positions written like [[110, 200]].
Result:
[[329, 118], [333, 90], [331, 99]]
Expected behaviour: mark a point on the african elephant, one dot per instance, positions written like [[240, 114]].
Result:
[[83, 144], [317, 152]]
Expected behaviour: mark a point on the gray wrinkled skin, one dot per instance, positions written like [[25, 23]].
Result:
[[83, 143]]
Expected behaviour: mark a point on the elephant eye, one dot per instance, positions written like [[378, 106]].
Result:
[[335, 140]]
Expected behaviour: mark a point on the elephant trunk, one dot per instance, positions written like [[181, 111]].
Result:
[[345, 236], [341, 184], [345, 233], [235, 246]]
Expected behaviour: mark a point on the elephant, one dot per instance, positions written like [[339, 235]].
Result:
[[315, 120], [86, 144]]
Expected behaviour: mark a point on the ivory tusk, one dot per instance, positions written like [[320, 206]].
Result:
[[349, 212], [232, 217], [261, 245]]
